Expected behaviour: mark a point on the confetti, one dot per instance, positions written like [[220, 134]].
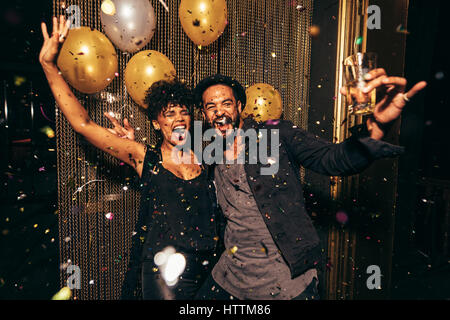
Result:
[[63, 294], [44, 115], [359, 41], [48, 131], [109, 215], [79, 189], [401, 29], [21, 196], [272, 122], [439, 75], [341, 217], [164, 5], [314, 31], [171, 264]]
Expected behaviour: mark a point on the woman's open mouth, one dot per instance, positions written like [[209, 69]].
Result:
[[179, 132]]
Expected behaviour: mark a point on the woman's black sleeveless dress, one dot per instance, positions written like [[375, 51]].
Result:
[[182, 214]]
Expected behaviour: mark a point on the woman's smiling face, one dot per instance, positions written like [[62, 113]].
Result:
[[174, 121]]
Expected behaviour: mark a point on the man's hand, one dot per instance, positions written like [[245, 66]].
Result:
[[393, 98], [126, 131]]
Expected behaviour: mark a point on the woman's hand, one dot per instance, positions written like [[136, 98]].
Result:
[[126, 150], [51, 46], [126, 131]]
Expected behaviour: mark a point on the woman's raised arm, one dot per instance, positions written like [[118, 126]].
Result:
[[128, 151]]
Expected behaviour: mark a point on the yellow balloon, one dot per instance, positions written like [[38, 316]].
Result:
[[143, 69], [263, 103], [203, 20], [87, 60]]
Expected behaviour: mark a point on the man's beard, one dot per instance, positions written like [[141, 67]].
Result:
[[235, 125], [227, 120]]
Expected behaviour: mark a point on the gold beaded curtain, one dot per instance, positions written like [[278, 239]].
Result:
[[264, 41]]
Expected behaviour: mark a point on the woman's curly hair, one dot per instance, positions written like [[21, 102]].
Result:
[[168, 92]]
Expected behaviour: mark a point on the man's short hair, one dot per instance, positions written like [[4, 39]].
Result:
[[163, 93], [238, 90]]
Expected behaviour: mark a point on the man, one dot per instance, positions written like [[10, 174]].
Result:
[[272, 248]]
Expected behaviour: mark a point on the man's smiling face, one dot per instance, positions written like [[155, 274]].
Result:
[[220, 108]]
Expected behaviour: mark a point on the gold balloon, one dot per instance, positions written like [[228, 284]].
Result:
[[203, 20], [87, 60], [143, 69], [263, 103]]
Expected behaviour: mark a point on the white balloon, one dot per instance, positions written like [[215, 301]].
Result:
[[129, 24]]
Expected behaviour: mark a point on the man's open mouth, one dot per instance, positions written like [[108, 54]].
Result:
[[222, 123]]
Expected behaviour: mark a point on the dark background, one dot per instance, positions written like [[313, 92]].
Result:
[[29, 253], [421, 260]]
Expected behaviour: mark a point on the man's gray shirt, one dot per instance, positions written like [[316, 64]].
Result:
[[251, 266]]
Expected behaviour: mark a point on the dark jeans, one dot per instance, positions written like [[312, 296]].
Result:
[[213, 291]]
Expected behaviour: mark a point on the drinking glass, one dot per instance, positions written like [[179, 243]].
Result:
[[356, 68]]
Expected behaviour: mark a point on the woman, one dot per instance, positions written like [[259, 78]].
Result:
[[178, 209]]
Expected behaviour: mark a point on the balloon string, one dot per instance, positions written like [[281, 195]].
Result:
[[164, 5], [196, 59], [124, 98], [124, 101]]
